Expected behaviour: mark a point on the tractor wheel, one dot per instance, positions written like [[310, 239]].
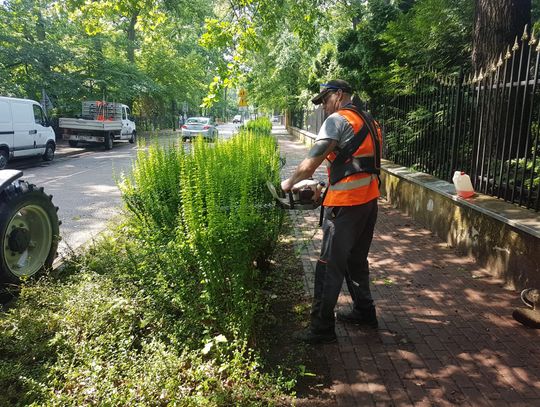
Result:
[[109, 141], [133, 137], [73, 143], [29, 231]]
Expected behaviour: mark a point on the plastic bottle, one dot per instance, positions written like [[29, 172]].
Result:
[[463, 184]]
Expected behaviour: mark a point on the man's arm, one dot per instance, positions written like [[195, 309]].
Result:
[[307, 167]]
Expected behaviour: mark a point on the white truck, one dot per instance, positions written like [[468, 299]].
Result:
[[101, 122]]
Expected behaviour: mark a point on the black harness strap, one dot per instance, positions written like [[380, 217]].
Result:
[[373, 129], [345, 164]]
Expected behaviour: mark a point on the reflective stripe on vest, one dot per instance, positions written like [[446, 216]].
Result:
[[348, 186], [358, 188]]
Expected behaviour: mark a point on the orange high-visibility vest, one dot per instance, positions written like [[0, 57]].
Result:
[[359, 188]]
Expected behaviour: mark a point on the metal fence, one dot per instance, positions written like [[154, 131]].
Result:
[[307, 119], [486, 125]]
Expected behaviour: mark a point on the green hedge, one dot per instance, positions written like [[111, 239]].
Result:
[[161, 310]]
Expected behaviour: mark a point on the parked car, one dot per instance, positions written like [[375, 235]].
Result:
[[237, 119], [196, 126], [24, 131]]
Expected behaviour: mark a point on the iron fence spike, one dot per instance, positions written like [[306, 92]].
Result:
[[533, 38], [516, 45], [508, 54], [525, 35]]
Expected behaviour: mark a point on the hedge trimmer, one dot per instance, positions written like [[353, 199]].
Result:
[[306, 194]]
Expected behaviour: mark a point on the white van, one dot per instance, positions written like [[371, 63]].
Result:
[[24, 131]]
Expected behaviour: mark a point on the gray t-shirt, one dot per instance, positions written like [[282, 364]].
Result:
[[336, 127]]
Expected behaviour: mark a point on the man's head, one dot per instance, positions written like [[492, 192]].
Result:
[[333, 95]]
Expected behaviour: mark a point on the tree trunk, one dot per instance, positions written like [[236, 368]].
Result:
[[41, 37], [131, 37], [496, 25]]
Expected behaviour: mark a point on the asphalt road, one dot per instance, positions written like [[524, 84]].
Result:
[[83, 182]]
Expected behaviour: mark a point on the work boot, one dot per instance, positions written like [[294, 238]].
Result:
[[316, 338], [364, 318]]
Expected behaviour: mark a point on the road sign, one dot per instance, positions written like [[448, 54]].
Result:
[[242, 102]]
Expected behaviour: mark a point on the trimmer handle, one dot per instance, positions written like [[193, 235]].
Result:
[[291, 199]]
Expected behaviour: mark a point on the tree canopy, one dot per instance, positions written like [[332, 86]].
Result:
[[163, 56], [144, 53]]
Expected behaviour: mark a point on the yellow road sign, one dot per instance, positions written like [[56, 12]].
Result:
[[242, 102]]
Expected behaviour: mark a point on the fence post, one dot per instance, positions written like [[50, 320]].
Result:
[[174, 116], [457, 118]]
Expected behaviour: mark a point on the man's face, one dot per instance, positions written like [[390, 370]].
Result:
[[332, 101]]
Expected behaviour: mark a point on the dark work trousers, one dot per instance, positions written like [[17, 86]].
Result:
[[347, 235]]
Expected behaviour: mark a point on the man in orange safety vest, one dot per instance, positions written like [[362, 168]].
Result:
[[350, 141]]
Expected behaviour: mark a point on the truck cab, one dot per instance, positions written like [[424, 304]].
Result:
[[128, 125]]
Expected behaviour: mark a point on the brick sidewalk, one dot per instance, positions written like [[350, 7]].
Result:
[[446, 335]]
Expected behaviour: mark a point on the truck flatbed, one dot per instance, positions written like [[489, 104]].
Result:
[[90, 125]]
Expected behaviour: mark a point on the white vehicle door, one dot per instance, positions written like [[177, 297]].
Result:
[[6, 125], [24, 128], [127, 124], [42, 134]]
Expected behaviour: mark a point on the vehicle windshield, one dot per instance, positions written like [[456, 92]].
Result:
[[197, 120]]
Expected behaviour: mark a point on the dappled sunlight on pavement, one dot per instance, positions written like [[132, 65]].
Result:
[[446, 335]]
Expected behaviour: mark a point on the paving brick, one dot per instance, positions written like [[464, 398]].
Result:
[[350, 361], [474, 396], [445, 338], [499, 403], [400, 397], [462, 380], [414, 389], [425, 351], [487, 389], [402, 367], [434, 343]]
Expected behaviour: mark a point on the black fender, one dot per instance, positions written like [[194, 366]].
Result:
[[7, 177]]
